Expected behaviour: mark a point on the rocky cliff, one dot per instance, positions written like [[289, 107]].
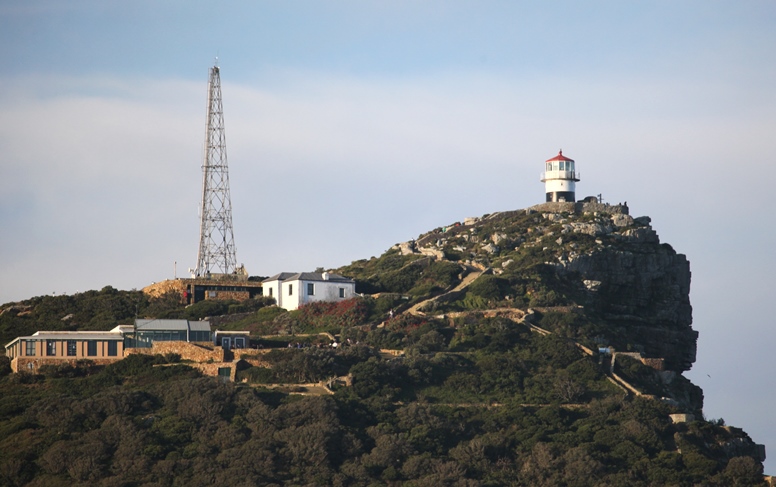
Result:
[[605, 261]]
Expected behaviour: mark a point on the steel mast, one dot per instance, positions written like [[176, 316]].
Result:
[[216, 237]]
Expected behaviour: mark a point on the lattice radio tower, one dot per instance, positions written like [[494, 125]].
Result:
[[216, 238]]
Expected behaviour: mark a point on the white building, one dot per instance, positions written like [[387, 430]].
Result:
[[292, 290], [559, 178]]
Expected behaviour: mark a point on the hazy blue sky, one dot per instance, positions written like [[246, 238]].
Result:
[[354, 125]]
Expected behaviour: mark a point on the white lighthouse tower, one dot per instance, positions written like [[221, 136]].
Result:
[[559, 178]]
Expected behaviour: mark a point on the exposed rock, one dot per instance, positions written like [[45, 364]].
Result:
[[553, 217], [641, 235], [620, 220], [490, 248], [591, 285], [642, 220], [435, 253], [497, 238], [647, 291], [407, 248], [593, 229]]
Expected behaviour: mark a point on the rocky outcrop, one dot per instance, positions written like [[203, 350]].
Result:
[[642, 286]]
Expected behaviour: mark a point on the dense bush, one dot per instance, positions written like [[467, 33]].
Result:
[[334, 315], [488, 287]]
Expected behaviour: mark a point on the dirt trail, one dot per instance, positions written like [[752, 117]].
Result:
[[473, 274]]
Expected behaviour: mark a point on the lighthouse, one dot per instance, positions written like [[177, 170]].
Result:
[[559, 178]]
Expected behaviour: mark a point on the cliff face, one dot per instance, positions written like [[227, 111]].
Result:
[[645, 288], [611, 264]]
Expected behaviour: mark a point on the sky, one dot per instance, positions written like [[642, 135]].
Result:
[[354, 125]]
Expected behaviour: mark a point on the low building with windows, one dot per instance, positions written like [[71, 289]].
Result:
[[231, 339], [64, 347], [292, 290], [194, 290], [28, 353], [214, 353], [145, 332]]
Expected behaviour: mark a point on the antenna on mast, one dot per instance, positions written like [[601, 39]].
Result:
[[216, 237]]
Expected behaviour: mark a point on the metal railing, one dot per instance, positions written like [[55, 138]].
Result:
[[545, 175]]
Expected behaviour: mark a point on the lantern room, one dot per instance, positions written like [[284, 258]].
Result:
[[559, 178]]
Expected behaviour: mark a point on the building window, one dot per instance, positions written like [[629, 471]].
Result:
[[270, 292], [71, 348], [310, 289], [51, 348], [290, 289], [30, 348], [113, 348], [200, 336], [91, 348], [342, 292]]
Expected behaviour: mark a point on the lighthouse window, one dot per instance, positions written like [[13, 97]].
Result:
[[562, 166]]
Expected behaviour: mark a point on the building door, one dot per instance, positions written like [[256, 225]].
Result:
[[224, 374], [226, 343], [239, 342]]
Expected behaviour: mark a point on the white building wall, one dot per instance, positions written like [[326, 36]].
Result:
[[272, 289], [290, 293], [326, 291], [559, 185], [322, 291]]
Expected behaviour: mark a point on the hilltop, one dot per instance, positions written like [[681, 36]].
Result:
[[542, 346]]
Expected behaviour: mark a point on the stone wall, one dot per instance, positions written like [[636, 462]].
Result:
[[196, 352], [227, 295], [580, 207], [682, 418], [22, 364], [212, 368], [658, 364], [256, 362]]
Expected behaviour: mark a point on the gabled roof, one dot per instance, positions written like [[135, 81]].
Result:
[[308, 276], [278, 277], [560, 157]]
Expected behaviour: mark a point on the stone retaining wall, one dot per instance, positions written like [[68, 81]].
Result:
[[580, 207], [187, 351], [212, 368], [227, 295], [22, 364]]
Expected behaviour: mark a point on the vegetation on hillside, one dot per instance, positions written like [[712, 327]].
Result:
[[143, 421], [476, 398]]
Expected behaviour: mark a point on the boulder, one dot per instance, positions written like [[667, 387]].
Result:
[[621, 220]]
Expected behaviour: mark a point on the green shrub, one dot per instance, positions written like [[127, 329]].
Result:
[[488, 287], [257, 375]]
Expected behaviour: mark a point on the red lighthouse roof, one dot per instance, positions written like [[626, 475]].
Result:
[[560, 157]]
